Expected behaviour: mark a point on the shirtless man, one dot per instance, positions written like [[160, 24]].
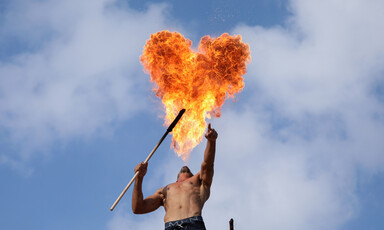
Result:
[[183, 200]]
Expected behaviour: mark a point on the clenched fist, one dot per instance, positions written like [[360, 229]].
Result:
[[142, 169], [211, 134]]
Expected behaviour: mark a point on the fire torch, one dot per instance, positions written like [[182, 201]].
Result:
[[170, 128]]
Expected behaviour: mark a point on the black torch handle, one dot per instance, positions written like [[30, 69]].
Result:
[[170, 128]]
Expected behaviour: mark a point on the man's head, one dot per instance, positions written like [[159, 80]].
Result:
[[184, 174]]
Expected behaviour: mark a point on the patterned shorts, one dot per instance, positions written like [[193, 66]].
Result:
[[191, 223]]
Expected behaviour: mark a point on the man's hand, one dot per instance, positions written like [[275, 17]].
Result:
[[142, 169], [211, 134]]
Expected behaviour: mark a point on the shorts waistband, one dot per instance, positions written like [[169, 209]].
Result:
[[183, 221]]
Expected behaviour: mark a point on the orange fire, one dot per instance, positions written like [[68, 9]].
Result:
[[198, 81]]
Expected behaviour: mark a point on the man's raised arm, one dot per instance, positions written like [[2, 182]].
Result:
[[206, 173], [149, 204]]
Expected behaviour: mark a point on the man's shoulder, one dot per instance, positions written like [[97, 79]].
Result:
[[196, 178]]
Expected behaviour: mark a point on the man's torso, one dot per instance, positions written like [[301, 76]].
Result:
[[184, 199]]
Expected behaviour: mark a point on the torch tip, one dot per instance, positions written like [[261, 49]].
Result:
[[170, 128]]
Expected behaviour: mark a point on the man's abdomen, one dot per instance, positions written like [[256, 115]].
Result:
[[182, 201]]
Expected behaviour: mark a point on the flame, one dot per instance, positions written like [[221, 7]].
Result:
[[199, 81]]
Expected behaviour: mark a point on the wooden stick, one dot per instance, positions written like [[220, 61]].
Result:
[[170, 128], [231, 224]]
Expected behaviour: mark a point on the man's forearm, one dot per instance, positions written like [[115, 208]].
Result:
[[137, 195], [209, 154]]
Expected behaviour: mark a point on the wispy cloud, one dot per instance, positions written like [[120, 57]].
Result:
[[70, 69], [16, 165]]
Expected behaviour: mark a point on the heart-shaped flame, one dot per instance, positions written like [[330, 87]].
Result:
[[198, 81]]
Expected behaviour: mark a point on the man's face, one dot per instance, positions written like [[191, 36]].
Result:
[[185, 172]]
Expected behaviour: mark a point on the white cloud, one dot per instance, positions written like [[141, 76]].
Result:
[[77, 71], [319, 72], [267, 183], [16, 165]]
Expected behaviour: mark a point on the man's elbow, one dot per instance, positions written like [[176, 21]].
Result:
[[136, 210]]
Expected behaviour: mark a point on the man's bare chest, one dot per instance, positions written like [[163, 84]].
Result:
[[181, 189]]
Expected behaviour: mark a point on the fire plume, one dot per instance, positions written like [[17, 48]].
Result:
[[199, 81]]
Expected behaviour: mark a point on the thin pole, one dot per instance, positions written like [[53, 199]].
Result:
[[231, 224], [170, 128]]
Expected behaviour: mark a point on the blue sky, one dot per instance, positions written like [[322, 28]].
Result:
[[301, 148]]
